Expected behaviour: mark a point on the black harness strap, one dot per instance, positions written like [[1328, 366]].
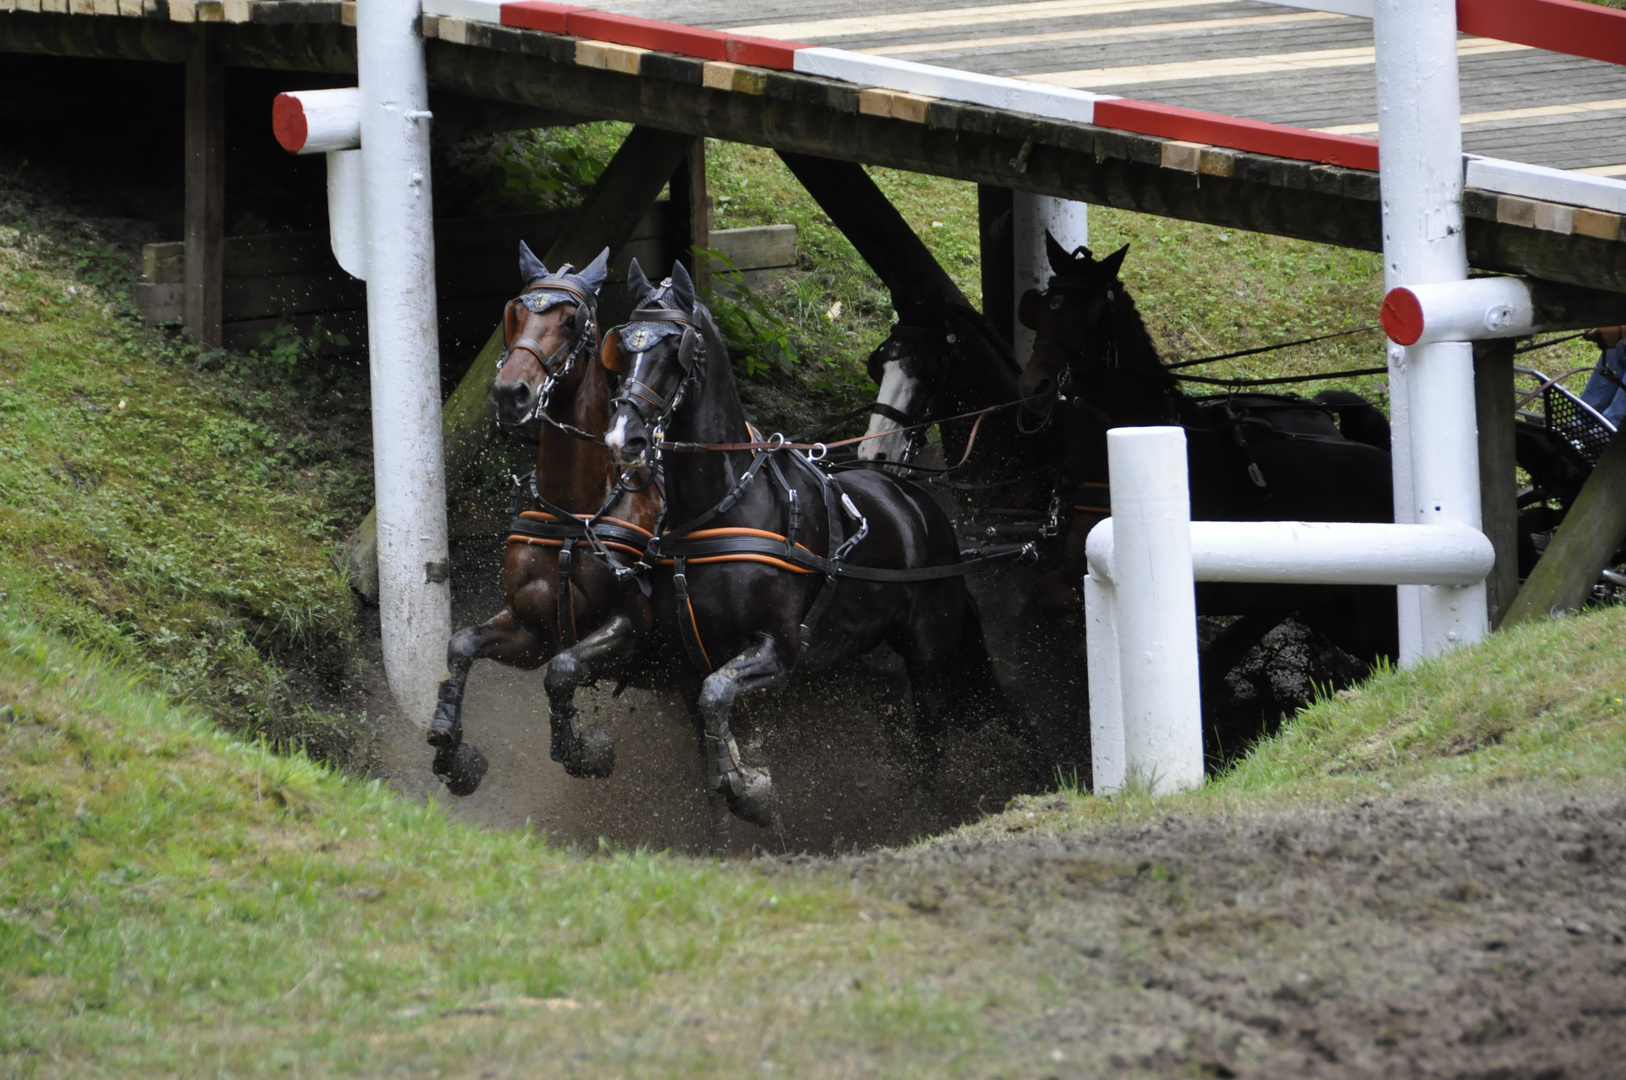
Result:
[[565, 597], [688, 628]]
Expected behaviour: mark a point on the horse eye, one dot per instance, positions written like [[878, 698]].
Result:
[[1055, 303], [951, 339]]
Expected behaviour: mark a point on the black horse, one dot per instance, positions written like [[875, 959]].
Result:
[[768, 553], [1252, 457]]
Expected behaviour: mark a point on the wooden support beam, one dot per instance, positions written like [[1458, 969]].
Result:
[[1498, 475], [996, 233], [1588, 538], [607, 218], [863, 213], [689, 220], [205, 214]]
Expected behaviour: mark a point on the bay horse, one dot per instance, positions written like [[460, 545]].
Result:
[[750, 596], [579, 523], [1252, 457]]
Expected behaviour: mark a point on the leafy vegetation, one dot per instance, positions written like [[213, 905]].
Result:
[[177, 511]]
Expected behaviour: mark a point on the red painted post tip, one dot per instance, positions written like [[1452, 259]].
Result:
[[1402, 316], [288, 122]]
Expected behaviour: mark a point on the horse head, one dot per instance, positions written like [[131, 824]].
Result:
[[659, 353], [1075, 321], [907, 367], [546, 330]]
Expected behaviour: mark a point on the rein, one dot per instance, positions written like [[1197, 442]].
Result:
[[780, 442], [1268, 348]]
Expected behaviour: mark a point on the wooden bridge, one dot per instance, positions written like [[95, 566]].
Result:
[[1235, 113]]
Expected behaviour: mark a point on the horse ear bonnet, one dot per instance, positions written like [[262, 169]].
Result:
[[1027, 310], [682, 288], [597, 270], [638, 286], [1112, 263], [1061, 260], [531, 268]]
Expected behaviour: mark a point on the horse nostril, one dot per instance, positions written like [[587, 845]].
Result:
[[634, 446]]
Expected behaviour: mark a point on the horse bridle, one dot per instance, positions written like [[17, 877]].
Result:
[[557, 364], [637, 394], [912, 420], [1062, 284]]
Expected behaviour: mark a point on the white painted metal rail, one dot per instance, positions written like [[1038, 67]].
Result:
[[1140, 606]]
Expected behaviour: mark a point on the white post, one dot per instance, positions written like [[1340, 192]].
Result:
[[1031, 215], [408, 462], [1431, 386], [1156, 607], [1106, 695]]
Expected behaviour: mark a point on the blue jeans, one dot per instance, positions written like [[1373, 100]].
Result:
[[1603, 395]]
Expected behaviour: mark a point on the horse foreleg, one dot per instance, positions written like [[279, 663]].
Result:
[[463, 767], [722, 822], [585, 750], [748, 790]]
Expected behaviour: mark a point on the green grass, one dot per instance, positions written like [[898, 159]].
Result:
[[174, 511], [174, 901], [1543, 703], [178, 901]]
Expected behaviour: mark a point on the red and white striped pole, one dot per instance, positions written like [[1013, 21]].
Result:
[[1436, 454]]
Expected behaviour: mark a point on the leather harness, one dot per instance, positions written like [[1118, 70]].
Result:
[[692, 542]]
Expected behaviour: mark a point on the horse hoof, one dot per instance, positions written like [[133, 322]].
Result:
[[593, 755], [446, 729], [461, 769], [750, 795]]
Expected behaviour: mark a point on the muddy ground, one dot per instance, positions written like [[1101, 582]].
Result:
[[845, 760], [1423, 937]]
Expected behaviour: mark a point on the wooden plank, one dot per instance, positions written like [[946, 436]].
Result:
[[1498, 469], [997, 239], [1582, 546], [205, 209], [873, 225], [758, 247]]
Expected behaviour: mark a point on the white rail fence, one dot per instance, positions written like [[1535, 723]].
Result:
[[1140, 606]]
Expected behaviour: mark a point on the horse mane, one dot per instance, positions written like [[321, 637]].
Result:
[[1135, 344]]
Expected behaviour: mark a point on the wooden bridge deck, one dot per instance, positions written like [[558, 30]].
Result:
[[1310, 69], [1230, 58]]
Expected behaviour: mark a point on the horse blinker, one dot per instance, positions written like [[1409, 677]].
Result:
[[1027, 311], [610, 353]]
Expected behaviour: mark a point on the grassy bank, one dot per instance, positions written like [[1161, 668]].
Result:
[[175, 902], [173, 510]]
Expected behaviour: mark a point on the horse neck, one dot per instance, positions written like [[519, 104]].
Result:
[[572, 472], [1135, 348], [711, 413]]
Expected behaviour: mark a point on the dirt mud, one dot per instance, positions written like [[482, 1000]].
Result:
[[1423, 937], [845, 761]]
